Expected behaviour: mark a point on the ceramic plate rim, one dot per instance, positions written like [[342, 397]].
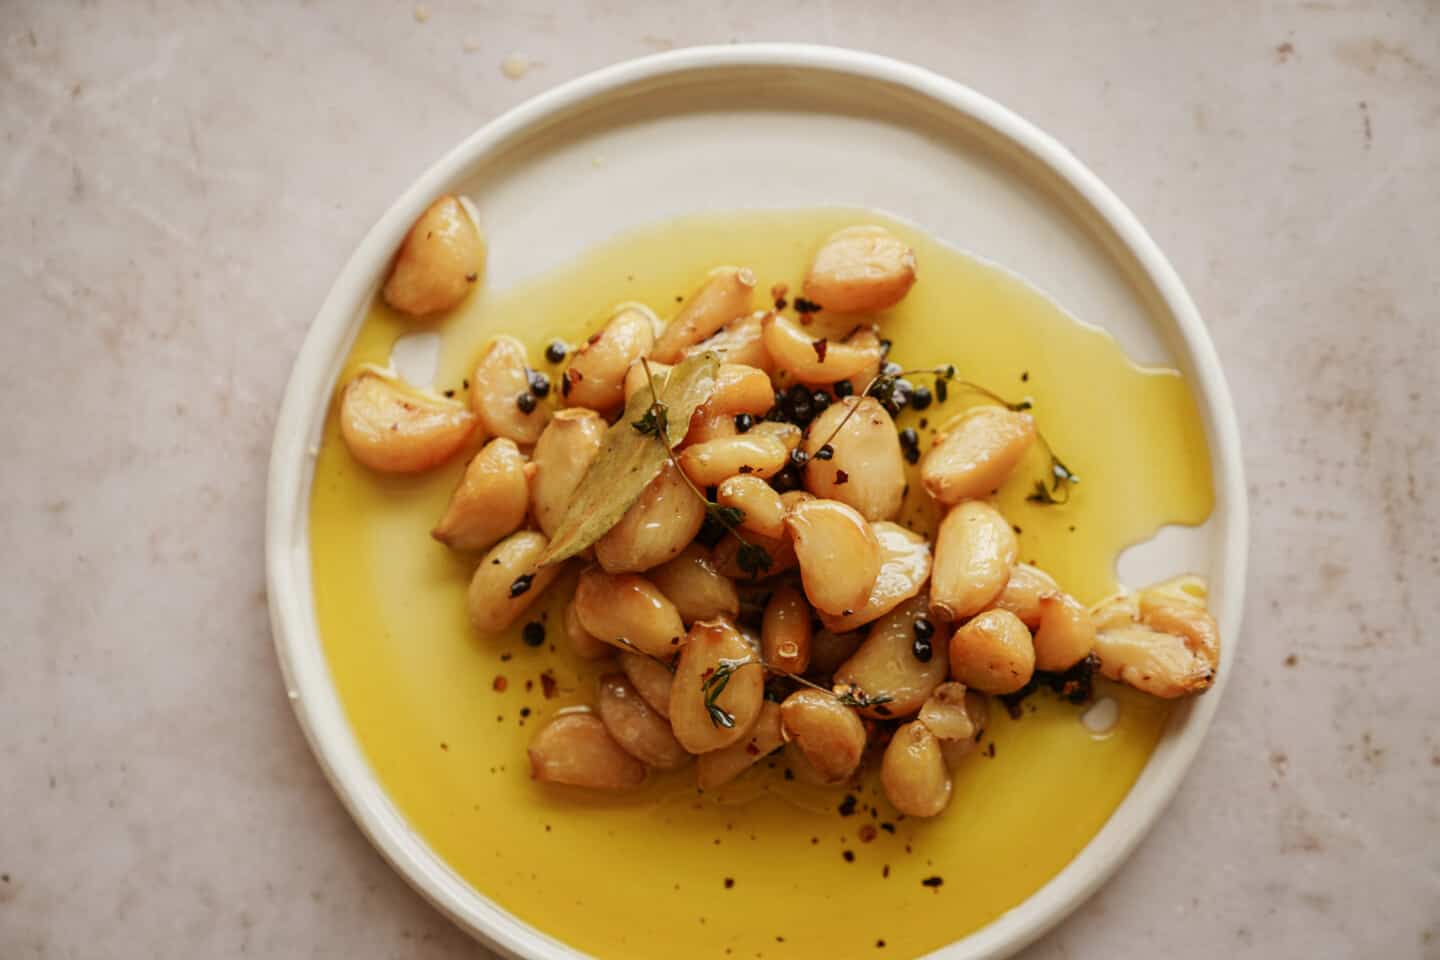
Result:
[[308, 393]]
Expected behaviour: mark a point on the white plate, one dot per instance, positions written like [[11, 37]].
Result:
[[721, 128]]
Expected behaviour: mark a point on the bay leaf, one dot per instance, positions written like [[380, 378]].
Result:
[[628, 459]]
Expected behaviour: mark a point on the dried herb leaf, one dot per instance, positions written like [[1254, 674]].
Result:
[[629, 459]]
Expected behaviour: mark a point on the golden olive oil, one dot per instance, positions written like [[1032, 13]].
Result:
[[765, 867]]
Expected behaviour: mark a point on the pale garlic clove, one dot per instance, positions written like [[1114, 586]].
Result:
[[913, 772], [1023, 591], [693, 582], [565, 451], [899, 661], [904, 570], [945, 713], [1163, 643], [439, 261], [500, 379], [628, 611], [977, 708], [817, 361], [762, 511], [976, 454], [598, 369], [508, 580], [582, 642], [827, 732], [1065, 635], [640, 730], [725, 295], [975, 551], [742, 340], [993, 653], [699, 727], [576, 749], [838, 554], [719, 767], [861, 269], [711, 463], [866, 467], [490, 502], [785, 631], [656, 528], [390, 426], [652, 679]]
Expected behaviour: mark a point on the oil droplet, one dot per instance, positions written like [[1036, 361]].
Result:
[[516, 66], [1102, 716]]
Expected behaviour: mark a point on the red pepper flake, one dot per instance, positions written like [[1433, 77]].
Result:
[[888, 827], [932, 882], [729, 882], [751, 749], [849, 856], [500, 683], [821, 347], [868, 833], [471, 277], [885, 873], [548, 684], [990, 750], [595, 337], [847, 806], [444, 746], [880, 944], [806, 306], [841, 477]]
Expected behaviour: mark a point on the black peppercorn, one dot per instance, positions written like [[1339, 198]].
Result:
[[520, 585], [924, 630], [526, 402], [539, 383], [534, 633], [843, 388], [909, 438], [942, 391], [743, 422], [800, 406], [911, 454], [555, 352], [890, 368], [787, 480], [920, 398], [820, 401], [799, 457], [825, 452]]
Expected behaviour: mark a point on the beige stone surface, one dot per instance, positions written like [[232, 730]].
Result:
[[179, 184]]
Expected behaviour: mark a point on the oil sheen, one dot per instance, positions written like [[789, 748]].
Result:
[[767, 867]]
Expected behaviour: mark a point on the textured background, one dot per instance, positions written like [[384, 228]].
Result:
[[179, 184]]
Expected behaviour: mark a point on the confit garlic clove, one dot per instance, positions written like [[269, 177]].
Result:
[[640, 730], [500, 379], [866, 468], [699, 728], [507, 581], [597, 373], [838, 554], [887, 664], [390, 426], [724, 296], [975, 552], [913, 772], [719, 767], [977, 454], [576, 749], [439, 261], [861, 269], [828, 733], [490, 502]]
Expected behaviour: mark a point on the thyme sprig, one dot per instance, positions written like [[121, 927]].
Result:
[[714, 682], [882, 387], [752, 558]]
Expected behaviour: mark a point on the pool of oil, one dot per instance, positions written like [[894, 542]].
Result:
[[766, 867]]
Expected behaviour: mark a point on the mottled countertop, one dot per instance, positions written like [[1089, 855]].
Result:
[[179, 184]]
